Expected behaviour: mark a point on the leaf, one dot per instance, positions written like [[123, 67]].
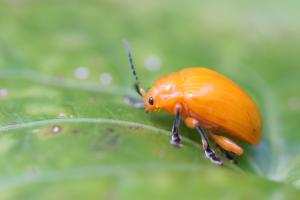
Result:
[[65, 134]]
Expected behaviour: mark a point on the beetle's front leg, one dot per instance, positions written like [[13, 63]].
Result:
[[175, 138], [134, 102], [208, 151]]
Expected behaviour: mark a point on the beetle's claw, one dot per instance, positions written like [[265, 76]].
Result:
[[217, 161], [176, 144], [176, 140], [213, 157], [231, 158]]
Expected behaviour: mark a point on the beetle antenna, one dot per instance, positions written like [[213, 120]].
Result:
[[137, 85]]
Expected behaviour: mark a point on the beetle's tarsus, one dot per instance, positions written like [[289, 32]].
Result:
[[213, 157], [230, 156], [176, 144], [208, 152], [134, 102], [175, 140]]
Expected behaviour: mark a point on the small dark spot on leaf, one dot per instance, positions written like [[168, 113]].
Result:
[[113, 141], [107, 142], [110, 130], [76, 130], [135, 128]]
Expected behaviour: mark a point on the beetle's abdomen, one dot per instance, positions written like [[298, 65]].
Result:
[[217, 101]]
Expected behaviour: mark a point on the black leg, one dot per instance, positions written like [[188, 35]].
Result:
[[134, 102], [228, 155], [175, 138], [208, 152]]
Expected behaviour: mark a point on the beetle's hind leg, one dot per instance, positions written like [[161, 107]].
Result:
[[208, 151], [227, 144], [134, 102], [228, 155], [230, 149]]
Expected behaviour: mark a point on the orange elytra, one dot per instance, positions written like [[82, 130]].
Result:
[[208, 102]]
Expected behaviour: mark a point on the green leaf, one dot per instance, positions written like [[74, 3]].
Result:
[[66, 132]]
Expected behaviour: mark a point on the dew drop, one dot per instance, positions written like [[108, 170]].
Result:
[[152, 63], [3, 92], [62, 114], [56, 129], [81, 73], [105, 78]]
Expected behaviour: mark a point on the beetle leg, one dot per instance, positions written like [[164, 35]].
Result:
[[175, 138], [228, 155], [227, 144], [209, 153], [134, 102]]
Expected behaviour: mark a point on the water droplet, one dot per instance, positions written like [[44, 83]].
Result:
[[152, 63], [62, 114], [294, 103], [56, 129], [3, 92], [81, 73], [105, 78]]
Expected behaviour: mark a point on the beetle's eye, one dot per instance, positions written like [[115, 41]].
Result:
[[151, 101]]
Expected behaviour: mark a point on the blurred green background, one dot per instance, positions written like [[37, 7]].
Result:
[[66, 132]]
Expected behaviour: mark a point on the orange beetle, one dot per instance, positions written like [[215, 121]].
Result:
[[205, 99]]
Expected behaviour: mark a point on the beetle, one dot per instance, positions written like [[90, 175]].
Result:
[[208, 102]]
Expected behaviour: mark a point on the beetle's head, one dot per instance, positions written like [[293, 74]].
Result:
[[163, 95]]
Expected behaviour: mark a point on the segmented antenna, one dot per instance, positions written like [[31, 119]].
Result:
[[131, 61], [137, 85]]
